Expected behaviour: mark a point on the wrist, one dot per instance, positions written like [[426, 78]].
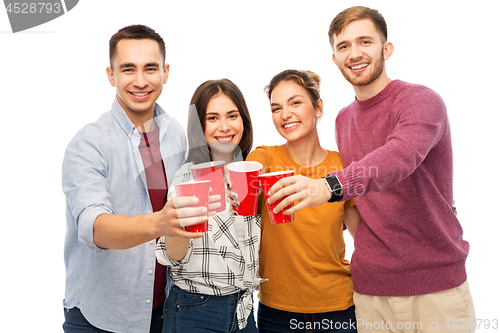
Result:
[[334, 187], [155, 220]]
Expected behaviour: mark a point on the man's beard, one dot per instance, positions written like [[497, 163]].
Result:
[[364, 80]]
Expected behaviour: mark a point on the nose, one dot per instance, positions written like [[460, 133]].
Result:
[[286, 113], [355, 53], [223, 125], [140, 80]]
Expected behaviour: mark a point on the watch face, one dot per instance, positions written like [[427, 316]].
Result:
[[335, 188]]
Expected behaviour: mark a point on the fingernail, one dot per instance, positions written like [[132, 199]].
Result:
[[235, 197], [236, 204]]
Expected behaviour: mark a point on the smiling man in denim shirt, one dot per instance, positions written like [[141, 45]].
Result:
[[116, 173]]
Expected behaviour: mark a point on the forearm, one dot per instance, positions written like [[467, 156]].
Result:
[[120, 232], [351, 219], [176, 247]]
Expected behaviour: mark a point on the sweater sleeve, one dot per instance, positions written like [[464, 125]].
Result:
[[420, 121]]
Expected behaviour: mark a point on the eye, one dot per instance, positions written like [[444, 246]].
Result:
[[151, 69], [295, 102], [275, 109], [211, 118]]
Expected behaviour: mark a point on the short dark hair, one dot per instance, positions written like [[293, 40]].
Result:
[[356, 13], [199, 151], [137, 31]]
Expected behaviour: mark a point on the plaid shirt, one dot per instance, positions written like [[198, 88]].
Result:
[[218, 264]]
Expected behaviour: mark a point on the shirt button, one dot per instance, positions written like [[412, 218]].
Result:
[[148, 301], [151, 242], [133, 151], [150, 271]]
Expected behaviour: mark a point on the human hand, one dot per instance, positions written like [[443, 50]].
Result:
[[307, 191], [231, 199], [179, 212]]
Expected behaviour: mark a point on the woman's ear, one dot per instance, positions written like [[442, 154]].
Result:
[[319, 108]]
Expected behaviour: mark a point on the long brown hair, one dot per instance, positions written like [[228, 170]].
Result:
[[199, 150]]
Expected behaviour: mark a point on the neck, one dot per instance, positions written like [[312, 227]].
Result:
[[306, 152], [366, 92], [138, 118], [147, 126], [227, 158]]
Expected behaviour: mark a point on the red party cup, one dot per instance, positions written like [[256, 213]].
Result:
[[214, 172], [200, 190], [244, 177], [267, 180]]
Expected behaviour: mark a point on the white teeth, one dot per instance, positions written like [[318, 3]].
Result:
[[224, 139], [359, 66], [290, 125], [139, 94]]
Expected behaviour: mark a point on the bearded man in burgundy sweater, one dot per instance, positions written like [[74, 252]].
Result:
[[408, 267]]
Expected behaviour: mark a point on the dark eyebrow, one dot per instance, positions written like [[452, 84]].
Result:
[[217, 113], [127, 65], [132, 65]]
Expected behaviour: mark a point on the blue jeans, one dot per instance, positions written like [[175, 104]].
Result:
[[200, 313], [75, 322], [272, 320]]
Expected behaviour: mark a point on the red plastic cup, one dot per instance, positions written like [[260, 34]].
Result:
[[200, 190], [244, 177], [214, 172], [267, 180]]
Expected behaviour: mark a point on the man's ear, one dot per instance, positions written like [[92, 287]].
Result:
[[388, 50], [166, 70], [334, 59], [111, 77]]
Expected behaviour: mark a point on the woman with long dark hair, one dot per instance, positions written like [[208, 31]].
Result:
[[214, 274]]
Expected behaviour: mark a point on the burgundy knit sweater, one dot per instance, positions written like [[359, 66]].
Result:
[[397, 149]]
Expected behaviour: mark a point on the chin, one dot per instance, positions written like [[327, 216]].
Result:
[[222, 148]]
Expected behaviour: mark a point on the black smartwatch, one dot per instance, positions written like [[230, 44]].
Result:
[[335, 188]]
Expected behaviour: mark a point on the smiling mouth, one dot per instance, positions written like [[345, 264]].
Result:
[[359, 66], [290, 125], [226, 139], [140, 94]]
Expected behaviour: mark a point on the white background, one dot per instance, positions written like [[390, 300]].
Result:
[[53, 82]]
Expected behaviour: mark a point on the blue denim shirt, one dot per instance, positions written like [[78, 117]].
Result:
[[103, 172]]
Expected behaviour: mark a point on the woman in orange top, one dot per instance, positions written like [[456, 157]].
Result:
[[309, 281]]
